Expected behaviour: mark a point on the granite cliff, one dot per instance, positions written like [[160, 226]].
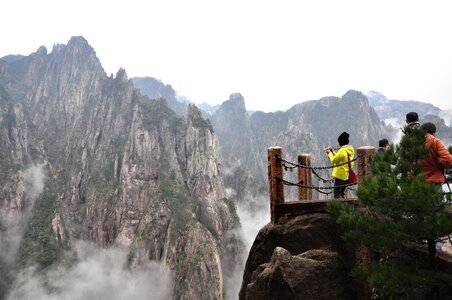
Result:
[[121, 170]]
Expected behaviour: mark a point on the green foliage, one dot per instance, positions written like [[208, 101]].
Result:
[[157, 111], [108, 171], [40, 245], [401, 208], [232, 208], [450, 149], [5, 98], [202, 123], [182, 205], [195, 262], [397, 281], [131, 256], [180, 289]]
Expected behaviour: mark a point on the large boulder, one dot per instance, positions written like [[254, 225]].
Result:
[[314, 274], [303, 258]]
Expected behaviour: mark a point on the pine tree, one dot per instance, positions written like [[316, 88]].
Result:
[[401, 210]]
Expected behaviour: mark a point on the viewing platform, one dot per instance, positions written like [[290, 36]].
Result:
[[280, 209]]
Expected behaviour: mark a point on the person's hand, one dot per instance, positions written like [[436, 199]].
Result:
[[327, 150], [410, 174]]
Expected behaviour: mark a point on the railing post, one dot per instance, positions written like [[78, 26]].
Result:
[[365, 154], [304, 177], [276, 187]]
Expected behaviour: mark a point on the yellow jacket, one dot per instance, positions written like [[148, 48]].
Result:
[[340, 157]]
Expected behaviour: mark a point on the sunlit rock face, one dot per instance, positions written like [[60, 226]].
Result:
[[120, 170]]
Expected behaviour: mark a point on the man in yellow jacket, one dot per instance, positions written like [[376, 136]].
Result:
[[339, 160]]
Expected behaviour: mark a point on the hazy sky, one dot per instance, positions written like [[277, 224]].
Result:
[[275, 53]]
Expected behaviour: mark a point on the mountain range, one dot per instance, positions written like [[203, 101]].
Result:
[[131, 164], [121, 170]]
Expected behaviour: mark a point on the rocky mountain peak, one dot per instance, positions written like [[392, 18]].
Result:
[[79, 42], [232, 117], [76, 44], [78, 53], [236, 99], [234, 107], [121, 75], [377, 97], [355, 96], [42, 51], [394, 111], [193, 112]]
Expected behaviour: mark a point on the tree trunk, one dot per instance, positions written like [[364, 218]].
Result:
[[431, 252]]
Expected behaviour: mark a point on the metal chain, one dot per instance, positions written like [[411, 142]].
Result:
[[322, 192], [322, 179], [290, 168], [294, 165], [312, 187]]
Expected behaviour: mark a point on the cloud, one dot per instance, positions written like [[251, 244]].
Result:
[[34, 178], [398, 124], [447, 116], [98, 274], [252, 219], [15, 221]]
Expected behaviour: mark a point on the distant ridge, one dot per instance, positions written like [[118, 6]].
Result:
[[12, 58], [388, 108]]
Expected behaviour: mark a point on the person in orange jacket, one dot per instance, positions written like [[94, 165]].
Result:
[[439, 157], [339, 160]]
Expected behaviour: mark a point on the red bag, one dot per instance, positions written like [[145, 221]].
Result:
[[352, 177]]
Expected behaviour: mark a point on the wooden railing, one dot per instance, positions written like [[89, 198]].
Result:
[[305, 203]]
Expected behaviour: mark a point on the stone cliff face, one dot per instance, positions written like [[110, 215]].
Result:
[[121, 170], [240, 157]]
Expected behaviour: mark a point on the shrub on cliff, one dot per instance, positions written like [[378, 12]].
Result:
[[401, 210]]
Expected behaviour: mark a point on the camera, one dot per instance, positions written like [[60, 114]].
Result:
[[448, 175]]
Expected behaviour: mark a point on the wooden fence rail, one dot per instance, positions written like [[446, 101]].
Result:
[[305, 201]]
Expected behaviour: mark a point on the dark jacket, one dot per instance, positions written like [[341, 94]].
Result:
[[380, 150]]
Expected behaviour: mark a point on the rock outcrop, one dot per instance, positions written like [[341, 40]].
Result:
[[304, 258]]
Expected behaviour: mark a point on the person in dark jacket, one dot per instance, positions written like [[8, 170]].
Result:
[[383, 146], [412, 119]]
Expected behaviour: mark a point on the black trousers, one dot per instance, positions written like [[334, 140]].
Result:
[[339, 188]]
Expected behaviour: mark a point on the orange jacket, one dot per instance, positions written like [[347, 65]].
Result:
[[438, 160]]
